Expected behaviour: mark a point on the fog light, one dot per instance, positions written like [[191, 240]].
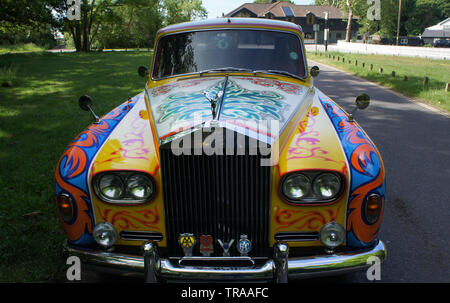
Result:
[[105, 234], [65, 207], [332, 235], [373, 208]]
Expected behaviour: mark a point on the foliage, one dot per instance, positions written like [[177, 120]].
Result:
[[416, 15]]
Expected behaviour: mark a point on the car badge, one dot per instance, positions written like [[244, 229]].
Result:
[[206, 245], [226, 247], [212, 98], [244, 246], [187, 242]]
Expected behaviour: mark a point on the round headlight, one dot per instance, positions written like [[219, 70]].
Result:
[[327, 185], [140, 187], [111, 186], [105, 234], [296, 186], [332, 235]]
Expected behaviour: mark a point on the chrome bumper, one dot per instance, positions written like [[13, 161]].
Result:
[[280, 269]]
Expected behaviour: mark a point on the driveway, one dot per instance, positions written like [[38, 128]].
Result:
[[414, 142]]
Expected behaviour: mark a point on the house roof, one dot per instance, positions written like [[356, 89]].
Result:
[[440, 30], [261, 9]]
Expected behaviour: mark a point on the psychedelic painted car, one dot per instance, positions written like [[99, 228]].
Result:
[[230, 165]]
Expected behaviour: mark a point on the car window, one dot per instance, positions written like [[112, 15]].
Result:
[[192, 52]]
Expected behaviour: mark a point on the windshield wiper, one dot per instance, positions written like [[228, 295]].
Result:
[[278, 72], [226, 69]]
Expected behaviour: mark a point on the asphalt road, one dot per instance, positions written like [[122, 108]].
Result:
[[414, 143]]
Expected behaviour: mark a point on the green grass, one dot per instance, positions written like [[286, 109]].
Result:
[[20, 48], [39, 116], [415, 69]]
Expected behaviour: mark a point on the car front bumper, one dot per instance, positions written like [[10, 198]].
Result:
[[279, 269]]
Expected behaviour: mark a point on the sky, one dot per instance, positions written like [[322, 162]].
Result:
[[215, 8]]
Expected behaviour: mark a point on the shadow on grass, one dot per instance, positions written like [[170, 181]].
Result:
[[39, 116]]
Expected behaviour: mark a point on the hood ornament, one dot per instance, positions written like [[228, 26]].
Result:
[[213, 98]]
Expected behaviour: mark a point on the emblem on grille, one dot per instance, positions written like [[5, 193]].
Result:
[[187, 242], [226, 247], [212, 98], [206, 245], [244, 246]]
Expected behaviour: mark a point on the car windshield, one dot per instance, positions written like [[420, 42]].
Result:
[[229, 50]]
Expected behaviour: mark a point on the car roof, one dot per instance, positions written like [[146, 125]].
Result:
[[230, 23]]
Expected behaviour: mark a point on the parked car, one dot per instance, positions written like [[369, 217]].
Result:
[[229, 166], [441, 43]]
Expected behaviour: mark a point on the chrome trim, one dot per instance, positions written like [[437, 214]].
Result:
[[281, 254], [298, 267], [151, 262]]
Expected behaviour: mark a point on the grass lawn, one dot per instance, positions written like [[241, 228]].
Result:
[[415, 69], [39, 116], [20, 48]]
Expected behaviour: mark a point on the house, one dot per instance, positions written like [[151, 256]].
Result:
[[438, 31], [304, 15]]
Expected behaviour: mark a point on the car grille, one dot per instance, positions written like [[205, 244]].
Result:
[[224, 196]]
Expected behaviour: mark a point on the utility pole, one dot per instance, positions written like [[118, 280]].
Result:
[[398, 21], [325, 36]]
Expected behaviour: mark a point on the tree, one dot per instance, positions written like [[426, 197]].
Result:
[[176, 11]]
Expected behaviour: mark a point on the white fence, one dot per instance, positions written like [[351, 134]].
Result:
[[409, 51]]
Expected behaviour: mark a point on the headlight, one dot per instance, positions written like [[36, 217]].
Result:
[[140, 187], [124, 187], [332, 235], [298, 188], [327, 185], [111, 187], [105, 234]]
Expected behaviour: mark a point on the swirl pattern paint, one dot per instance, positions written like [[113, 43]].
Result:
[[366, 171]]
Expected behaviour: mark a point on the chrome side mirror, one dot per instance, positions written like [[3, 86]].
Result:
[[361, 102], [314, 71], [86, 103], [143, 72]]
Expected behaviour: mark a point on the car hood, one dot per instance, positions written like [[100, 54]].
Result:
[[253, 106]]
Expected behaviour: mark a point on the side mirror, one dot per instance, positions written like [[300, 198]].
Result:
[[314, 71], [361, 102], [86, 103], [143, 72]]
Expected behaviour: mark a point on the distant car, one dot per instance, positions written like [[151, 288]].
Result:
[[441, 43], [230, 165]]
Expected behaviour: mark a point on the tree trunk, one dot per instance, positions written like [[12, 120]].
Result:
[[349, 21]]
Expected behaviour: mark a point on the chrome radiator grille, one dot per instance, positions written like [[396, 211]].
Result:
[[224, 196]]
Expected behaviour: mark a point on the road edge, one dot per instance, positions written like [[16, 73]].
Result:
[[417, 101]]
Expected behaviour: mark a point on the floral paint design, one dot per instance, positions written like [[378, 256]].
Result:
[[241, 103], [72, 172], [125, 219], [287, 87], [307, 142], [366, 171], [304, 220]]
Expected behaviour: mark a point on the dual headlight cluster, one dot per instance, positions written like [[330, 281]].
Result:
[[124, 187], [311, 187]]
